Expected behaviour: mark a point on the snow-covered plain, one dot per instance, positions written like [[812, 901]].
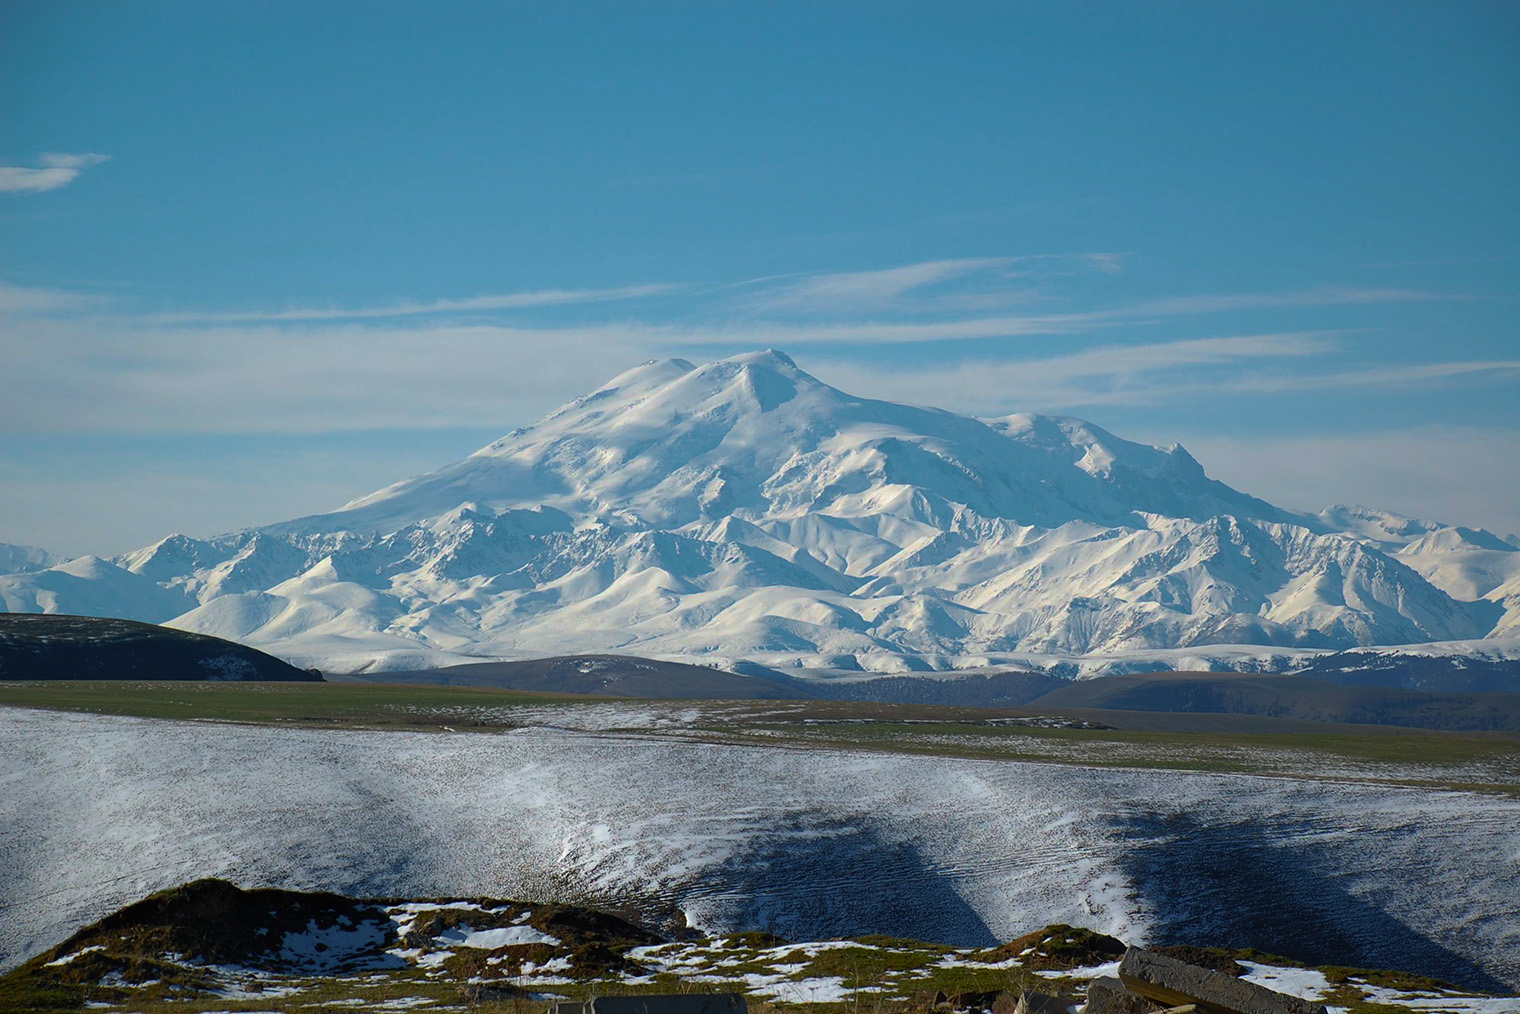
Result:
[[96, 811], [744, 509]]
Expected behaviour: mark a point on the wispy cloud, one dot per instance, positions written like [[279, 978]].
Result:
[[442, 363], [852, 290], [25, 299], [775, 333], [1326, 296], [473, 304], [1108, 263], [941, 299], [943, 285], [317, 377], [1402, 375], [1152, 373], [1098, 375], [54, 170]]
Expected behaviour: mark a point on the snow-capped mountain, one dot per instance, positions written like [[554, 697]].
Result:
[[24, 559], [744, 508]]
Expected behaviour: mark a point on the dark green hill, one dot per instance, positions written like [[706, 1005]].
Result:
[[1444, 674], [37, 646], [1295, 697]]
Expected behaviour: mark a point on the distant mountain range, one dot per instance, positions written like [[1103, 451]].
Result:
[[745, 509]]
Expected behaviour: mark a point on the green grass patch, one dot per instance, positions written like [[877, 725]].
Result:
[[1472, 761], [327, 705]]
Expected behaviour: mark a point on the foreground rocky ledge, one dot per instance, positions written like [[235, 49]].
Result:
[[212, 946]]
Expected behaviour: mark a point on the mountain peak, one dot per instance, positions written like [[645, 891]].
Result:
[[649, 373], [744, 507], [669, 443], [773, 358]]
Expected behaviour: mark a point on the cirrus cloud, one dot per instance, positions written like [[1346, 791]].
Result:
[[53, 171]]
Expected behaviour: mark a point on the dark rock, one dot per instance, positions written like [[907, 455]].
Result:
[[1204, 957], [973, 1000], [1176, 983], [1006, 1003], [1107, 995], [1031, 1002], [1058, 947]]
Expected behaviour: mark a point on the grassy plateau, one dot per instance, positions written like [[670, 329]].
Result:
[[1484, 761]]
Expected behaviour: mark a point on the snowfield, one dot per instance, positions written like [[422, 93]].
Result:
[[97, 811], [744, 509]]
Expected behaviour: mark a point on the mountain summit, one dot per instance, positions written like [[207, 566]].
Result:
[[670, 443], [746, 508]]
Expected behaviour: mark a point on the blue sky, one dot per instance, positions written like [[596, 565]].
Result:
[[260, 258]]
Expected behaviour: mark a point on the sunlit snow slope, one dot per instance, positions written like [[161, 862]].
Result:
[[745, 508], [99, 810]]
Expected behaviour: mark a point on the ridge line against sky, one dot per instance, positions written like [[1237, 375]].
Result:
[[262, 260], [229, 372]]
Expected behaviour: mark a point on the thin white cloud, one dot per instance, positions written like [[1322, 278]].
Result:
[[1108, 263], [318, 369], [842, 305], [886, 332], [1099, 375], [350, 376], [55, 170], [849, 294], [1326, 296], [93, 375], [1402, 375], [901, 288], [26, 299], [66, 160], [853, 289], [474, 304], [763, 332]]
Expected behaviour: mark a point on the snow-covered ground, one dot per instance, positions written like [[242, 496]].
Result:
[[97, 811]]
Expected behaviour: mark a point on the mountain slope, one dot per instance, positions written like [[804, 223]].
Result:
[[744, 508], [671, 443], [90, 586], [24, 559]]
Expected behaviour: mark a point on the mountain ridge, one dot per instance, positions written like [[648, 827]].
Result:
[[744, 508]]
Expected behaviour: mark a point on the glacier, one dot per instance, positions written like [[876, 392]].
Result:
[[745, 509]]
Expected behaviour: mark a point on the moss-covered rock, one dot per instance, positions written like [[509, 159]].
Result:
[[1058, 947]]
